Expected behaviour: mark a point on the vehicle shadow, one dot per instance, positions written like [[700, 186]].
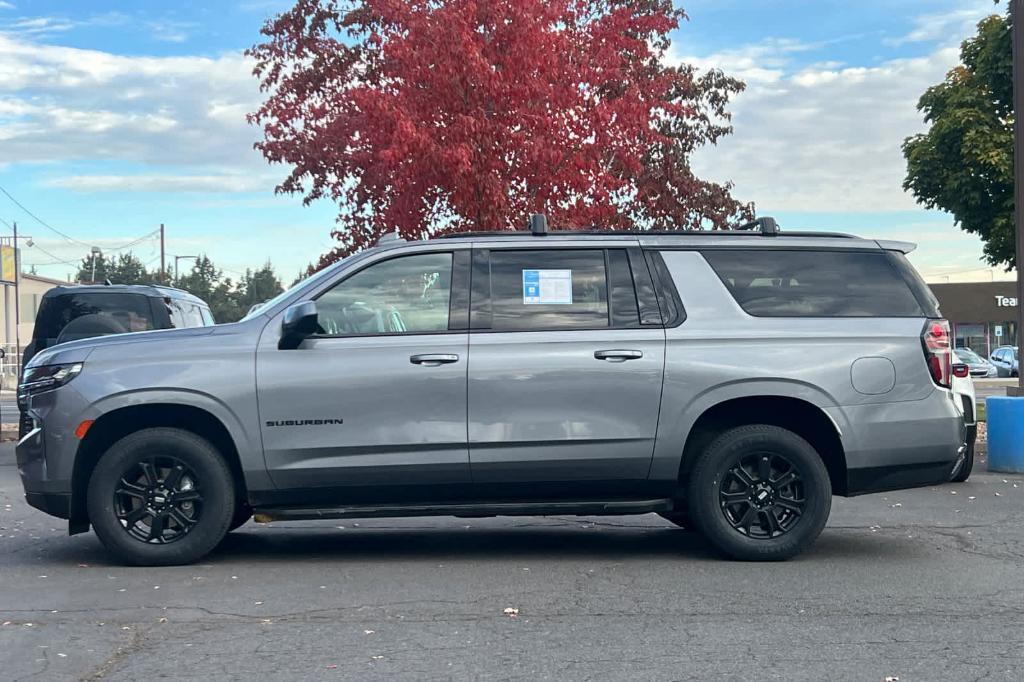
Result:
[[597, 540], [511, 543]]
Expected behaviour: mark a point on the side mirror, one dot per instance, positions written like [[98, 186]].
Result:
[[961, 371], [300, 322]]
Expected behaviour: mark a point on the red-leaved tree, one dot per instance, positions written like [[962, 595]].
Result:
[[433, 116]]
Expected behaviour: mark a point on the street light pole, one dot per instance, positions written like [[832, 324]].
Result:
[[1016, 16], [176, 259], [95, 251]]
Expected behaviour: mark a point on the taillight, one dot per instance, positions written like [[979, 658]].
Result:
[[938, 352], [961, 371]]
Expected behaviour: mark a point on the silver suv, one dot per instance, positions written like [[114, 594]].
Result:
[[729, 381]]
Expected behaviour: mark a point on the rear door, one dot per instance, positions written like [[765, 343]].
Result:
[[565, 370]]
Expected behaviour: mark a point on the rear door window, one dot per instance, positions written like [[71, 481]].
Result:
[[777, 283], [538, 290]]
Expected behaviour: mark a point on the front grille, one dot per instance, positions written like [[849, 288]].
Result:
[[968, 409]]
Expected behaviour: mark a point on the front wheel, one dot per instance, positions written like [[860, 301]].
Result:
[[760, 493], [161, 497]]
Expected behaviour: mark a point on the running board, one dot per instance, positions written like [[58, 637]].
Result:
[[268, 514]]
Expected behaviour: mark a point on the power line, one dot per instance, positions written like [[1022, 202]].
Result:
[[64, 234], [40, 220]]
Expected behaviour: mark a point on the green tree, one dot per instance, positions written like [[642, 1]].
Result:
[[207, 282], [964, 163], [87, 275], [127, 269], [257, 287]]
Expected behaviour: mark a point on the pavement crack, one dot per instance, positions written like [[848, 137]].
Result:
[[121, 654]]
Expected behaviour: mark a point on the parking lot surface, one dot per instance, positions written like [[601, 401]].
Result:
[[924, 585]]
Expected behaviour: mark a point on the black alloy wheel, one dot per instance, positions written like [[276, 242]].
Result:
[[161, 497], [759, 492], [158, 500], [762, 495]]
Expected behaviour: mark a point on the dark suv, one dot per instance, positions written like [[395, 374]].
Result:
[[76, 312]]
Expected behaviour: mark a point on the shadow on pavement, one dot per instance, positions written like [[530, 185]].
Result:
[[300, 545]]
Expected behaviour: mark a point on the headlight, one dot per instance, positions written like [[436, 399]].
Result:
[[46, 377]]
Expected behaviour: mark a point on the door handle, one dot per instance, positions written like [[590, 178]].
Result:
[[433, 359], [618, 355]]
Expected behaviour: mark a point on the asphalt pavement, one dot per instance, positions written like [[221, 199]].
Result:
[[920, 585]]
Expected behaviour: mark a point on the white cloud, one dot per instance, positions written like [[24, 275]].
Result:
[[820, 138], [165, 183], [65, 104], [6, 5], [941, 25], [38, 26]]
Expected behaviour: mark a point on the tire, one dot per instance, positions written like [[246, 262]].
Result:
[[796, 492], [964, 472], [680, 518], [164, 473], [243, 513]]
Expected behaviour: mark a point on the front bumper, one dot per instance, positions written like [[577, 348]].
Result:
[[54, 504], [46, 451]]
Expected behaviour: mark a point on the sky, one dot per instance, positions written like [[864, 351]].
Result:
[[116, 117]]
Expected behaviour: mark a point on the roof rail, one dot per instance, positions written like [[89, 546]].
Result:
[[637, 233]]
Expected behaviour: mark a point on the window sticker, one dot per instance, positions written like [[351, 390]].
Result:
[[547, 287]]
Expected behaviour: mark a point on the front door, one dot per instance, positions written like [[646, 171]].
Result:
[[564, 379], [378, 399]]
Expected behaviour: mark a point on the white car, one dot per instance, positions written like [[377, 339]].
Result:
[[967, 403]]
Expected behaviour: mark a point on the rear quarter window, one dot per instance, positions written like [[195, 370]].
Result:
[[779, 283]]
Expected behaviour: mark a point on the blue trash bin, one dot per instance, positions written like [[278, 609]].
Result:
[[1005, 434]]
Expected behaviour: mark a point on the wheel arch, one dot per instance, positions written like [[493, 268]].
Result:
[[798, 415], [115, 424]]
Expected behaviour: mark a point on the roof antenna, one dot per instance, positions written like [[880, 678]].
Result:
[[539, 225]]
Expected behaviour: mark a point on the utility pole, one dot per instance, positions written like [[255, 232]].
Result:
[[163, 265], [17, 301], [1016, 17]]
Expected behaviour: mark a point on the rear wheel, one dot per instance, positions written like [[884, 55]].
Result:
[[964, 472], [161, 497], [760, 493]]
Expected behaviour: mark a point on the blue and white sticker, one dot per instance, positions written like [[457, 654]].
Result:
[[547, 287]]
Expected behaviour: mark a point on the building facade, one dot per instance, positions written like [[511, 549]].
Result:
[[19, 320], [983, 314]]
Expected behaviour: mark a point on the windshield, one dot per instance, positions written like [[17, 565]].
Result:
[[967, 356], [267, 305]]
